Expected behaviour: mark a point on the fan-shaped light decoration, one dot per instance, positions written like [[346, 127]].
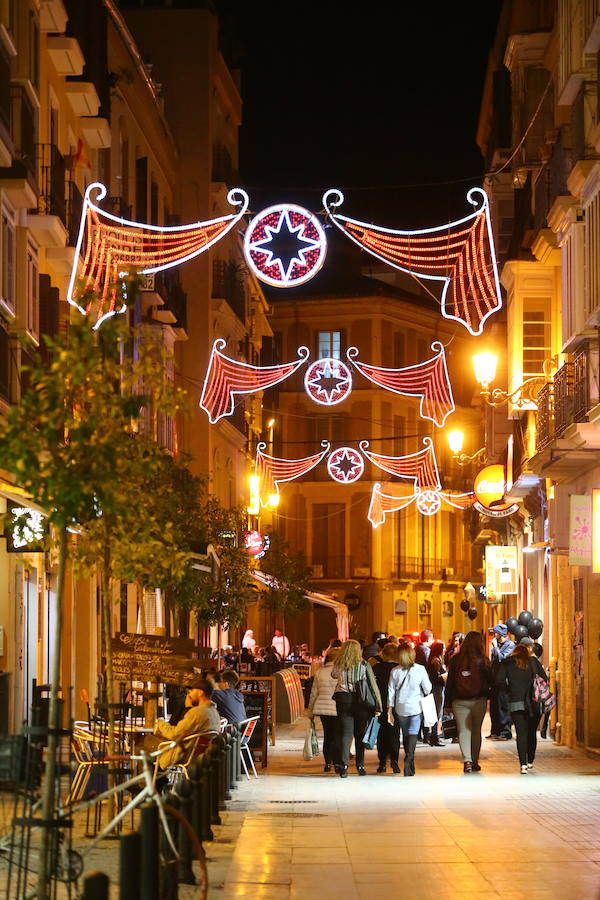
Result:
[[226, 377], [428, 380], [385, 503], [459, 255], [112, 246], [420, 467], [272, 470], [428, 502]]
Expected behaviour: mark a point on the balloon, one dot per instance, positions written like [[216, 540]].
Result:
[[537, 646], [535, 628], [472, 613], [511, 624], [525, 617], [520, 632], [465, 605]]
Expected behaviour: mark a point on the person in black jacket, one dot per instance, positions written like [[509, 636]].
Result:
[[437, 676], [516, 675], [388, 739]]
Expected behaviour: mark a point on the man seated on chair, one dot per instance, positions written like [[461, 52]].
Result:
[[229, 701], [201, 717]]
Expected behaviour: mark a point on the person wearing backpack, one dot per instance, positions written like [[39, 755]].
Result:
[[357, 701], [467, 691], [517, 675]]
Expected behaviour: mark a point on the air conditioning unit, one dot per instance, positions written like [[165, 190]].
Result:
[[362, 572], [315, 571]]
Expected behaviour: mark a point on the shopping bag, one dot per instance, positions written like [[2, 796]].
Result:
[[428, 707], [449, 726], [370, 738], [309, 742]]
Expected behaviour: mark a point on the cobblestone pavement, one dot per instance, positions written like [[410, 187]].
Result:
[[298, 832]]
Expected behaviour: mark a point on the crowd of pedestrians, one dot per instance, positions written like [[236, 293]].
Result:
[[387, 680]]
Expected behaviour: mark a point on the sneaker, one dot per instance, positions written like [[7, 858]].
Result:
[[524, 770], [476, 767], [530, 766], [381, 767], [467, 767]]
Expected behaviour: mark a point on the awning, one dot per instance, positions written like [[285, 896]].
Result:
[[320, 599]]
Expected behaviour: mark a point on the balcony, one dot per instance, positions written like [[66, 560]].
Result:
[[427, 569], [227, 284], [117, 206], [48, 223], [567, 418], [18, 180]]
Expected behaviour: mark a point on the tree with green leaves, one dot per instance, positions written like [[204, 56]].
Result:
[[74, 444]]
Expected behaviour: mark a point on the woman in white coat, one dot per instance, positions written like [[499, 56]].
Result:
[[322, 704], [408, 683], [248, 641]]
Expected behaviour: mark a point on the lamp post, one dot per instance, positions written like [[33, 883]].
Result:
[[523, 397], [456, 440]]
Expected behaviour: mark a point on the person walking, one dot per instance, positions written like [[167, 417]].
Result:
[[388, 740], [467, 689], [373, 648], [453, 646], [516, 676], [357, 700], [424, 646], [322, 704], [501, 722], [408, 682], [537, 652], [437, 673]]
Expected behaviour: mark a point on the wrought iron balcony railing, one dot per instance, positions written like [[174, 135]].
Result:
[[51, 199]]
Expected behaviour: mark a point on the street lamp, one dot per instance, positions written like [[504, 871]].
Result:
[[523, 397], [456, 440]]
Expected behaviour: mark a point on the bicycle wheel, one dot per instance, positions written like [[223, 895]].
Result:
[[185, 867]]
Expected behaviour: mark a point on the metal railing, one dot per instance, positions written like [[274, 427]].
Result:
[[544, 419], [563, 399], [581, 387], [51, 199], [433, 569], [116, 206], [74, 208]]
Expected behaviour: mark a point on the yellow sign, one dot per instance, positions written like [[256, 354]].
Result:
[[490, 485], [500, 571]]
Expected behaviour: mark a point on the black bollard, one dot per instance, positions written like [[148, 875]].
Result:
[[149, 875], [228, 764], [213, 786], [205, 807], [96, 886], [130, 864], [169, 874], [186, 875]]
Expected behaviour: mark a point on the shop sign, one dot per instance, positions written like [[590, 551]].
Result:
[[489, 488], [256, 544], [500, 571], [25, 529], [582, 536]]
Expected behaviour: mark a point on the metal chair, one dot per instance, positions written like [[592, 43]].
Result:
[[223, 723], [193, 745], [247, 727]]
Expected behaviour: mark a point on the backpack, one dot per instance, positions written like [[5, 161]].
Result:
[[468, 682]]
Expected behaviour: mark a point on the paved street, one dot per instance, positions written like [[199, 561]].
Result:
[[298, 832]]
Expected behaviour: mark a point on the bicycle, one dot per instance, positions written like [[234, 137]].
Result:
[[68, 864]]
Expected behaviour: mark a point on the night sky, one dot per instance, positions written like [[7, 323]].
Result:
[[377, 100]]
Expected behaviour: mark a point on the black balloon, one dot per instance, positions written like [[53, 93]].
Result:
[[520, 632], [525, 617], [465, 605], [537, 646], [535, 628], [511, 624], [472, 613]]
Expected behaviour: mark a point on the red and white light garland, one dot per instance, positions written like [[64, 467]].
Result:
[[273, 470], [459, 255], [112, 246]]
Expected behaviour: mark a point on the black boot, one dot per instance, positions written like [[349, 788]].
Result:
[[410, 743]]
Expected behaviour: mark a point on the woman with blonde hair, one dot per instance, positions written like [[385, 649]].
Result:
[[357, 700], [408, 683]]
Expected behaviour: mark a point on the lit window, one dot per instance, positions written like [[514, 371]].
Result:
[[330, 344], [7, 239], [536, 335]]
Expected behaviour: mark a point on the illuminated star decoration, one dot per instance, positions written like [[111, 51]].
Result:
[[285, 245], [328, 381], [345, 465]]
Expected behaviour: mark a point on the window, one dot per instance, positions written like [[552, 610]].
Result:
[[536, 335], [329, 539], [7, 238], [32, 310], [330, 344]]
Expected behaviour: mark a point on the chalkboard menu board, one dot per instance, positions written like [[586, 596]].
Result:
[[150, 657], [262, 685], [256, 705]]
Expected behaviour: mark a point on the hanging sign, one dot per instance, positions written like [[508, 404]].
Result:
[[285, 245], [489, 488], [581, 532], [500, 570], [24, 529], [345, 465], [256, 544], [328, 381]]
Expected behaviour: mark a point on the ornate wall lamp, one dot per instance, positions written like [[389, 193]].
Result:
[[456, 440], [523, 397]]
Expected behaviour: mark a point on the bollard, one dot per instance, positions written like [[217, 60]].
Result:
[[149, 875], [213, 786], [186, 875], [237, 754], [220, 748], [169, 874], [130, 852], [195, 774], [95, 886], [228, 764], [205, 805]]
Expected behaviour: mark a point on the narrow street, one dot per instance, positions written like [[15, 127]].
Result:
[[297, 832]]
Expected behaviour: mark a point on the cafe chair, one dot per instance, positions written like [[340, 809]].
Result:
[[247, 727], [223, 723], [194, 745], [84, 751]]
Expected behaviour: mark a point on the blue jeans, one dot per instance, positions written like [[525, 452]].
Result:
[[409, 724]]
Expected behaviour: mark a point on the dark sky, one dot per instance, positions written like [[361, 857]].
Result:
[[379, 100]]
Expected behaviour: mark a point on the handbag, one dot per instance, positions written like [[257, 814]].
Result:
[[370, 738], [449, 726], [541, 693], [311, 742], [429, 709], [364, 692]]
